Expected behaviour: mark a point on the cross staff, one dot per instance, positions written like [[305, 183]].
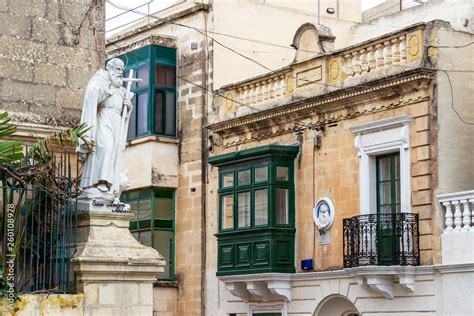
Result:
[[122, 137], [130, 80]]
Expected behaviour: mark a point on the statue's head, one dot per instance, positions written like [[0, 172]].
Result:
[[115, 68]]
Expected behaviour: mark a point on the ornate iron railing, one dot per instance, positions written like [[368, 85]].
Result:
[[384, 239], [38, 229]]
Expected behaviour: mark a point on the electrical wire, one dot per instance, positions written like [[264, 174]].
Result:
[[460, 46], [452, 99], [271, 70], [125, 12], [85, 15]]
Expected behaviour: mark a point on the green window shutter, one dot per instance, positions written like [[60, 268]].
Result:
[[153, 224], [155, 97], [256, 210]]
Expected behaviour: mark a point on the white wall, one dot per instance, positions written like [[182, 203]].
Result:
[[274, 22], [453, 11], [455, 138]]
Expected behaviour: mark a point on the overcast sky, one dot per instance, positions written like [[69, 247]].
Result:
[[116, 23]]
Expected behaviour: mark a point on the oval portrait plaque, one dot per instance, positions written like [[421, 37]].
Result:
[[323, 213]]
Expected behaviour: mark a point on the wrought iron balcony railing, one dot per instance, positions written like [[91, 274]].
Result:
[[381, 239]]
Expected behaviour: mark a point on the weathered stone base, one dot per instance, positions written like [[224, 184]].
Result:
[[46, 304], [113, 270]]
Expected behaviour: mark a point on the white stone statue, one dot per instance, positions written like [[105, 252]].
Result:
[[106, 110]]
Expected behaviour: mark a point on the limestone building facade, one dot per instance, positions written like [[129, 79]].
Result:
[[362, 113], [366, 120]]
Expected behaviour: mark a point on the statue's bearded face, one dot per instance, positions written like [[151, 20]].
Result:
[[115, 74]]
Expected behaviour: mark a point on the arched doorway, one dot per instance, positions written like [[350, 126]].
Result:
[[336, 305]]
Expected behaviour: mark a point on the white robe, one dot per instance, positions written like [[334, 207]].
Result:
[[102, 112]]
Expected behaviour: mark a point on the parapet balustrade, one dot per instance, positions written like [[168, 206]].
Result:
[[372, 60], [459, 211], [263, 90], [372, 57]]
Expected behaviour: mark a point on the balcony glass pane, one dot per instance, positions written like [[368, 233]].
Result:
[[228, 180], [227, 211], [243, 202], [165, 76], [170, 113], [145, 209], [163, 208], [282, 173], [281, 206], [384, 193], [159, 111], [163, 242], [144, 238], [243, 177], [261, 174], [134, 210], [142, 113], [384, 169], [385, 209], [142, 73], [132, 125], [397, 185], [261, 207], [397, 167]]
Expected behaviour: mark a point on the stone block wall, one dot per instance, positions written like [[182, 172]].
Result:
[[50, 49], [190, 194], [194, 70]]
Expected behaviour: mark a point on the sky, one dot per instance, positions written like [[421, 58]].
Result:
[[117, 19], [115, 22]]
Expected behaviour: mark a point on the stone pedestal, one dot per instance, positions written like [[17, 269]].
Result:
[[113, 270]]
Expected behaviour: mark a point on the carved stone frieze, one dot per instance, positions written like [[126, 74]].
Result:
[[327, 109]]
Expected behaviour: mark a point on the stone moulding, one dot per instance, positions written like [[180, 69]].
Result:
[[107, 251], [277, 287], [261, 287], [321, 110]]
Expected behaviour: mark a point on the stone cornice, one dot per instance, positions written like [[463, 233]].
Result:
[[317, 101], [390, 122]]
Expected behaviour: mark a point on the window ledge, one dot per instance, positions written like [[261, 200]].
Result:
[[163, 283], [153, 138]]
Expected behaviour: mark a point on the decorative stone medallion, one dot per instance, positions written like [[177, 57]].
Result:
[[324, 213]]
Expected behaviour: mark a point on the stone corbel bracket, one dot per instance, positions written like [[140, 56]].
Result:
[[269, 288], [382, 279]]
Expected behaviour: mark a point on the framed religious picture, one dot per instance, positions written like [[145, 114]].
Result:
[[323, 213]]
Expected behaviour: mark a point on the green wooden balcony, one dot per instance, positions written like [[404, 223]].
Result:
[[261, 251]]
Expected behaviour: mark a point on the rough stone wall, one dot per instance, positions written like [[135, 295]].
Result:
[[50, 49], [189, 227]]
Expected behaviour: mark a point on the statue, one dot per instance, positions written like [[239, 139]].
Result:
[[106, 110]]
